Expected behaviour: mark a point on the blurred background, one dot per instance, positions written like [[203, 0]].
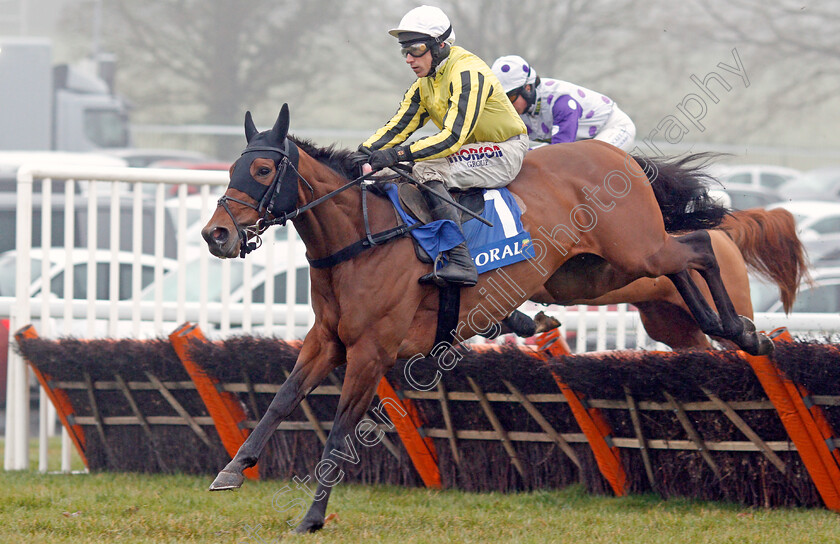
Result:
[[189, 69]]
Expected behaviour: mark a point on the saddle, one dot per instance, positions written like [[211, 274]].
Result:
[[414, 204]]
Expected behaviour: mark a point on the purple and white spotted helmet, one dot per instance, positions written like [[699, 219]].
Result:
[[514, 73]]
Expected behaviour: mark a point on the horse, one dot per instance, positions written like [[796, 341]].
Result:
[[764, 242], [596, 221]]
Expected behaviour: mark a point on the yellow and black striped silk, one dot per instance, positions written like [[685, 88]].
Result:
[[464, 100]]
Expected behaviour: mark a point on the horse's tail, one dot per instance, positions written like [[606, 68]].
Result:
[[681, 190], [770, 246]]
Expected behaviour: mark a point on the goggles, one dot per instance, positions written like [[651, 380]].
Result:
[[514, 94], [416, 50]]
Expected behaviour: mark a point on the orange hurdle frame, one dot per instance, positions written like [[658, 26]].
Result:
[[591, 421], [409, 425], [228, 415], [59, 398], [805, 423]]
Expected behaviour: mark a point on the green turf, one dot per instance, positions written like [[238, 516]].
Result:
[[134, 508]]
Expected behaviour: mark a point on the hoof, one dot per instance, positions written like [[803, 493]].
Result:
[[756, 343], [749, 326], [765, 345], [545, 322], [308, 526], [227, 480]]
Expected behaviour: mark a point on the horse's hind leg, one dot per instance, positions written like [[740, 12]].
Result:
[[316, 360], [705, 316], [727, 323]]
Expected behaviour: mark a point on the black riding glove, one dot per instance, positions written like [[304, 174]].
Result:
[[361, 156], [383, 158]]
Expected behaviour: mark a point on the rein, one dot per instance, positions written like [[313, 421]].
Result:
[[265, 196], [281, 220], [370, 240]]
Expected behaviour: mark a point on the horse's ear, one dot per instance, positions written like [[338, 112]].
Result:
[[250, 127], [281, 127]]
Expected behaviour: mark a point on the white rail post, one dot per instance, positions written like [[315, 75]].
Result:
[[17, 401], [44, 403], [580, 340], [291, 282], [621, 329]]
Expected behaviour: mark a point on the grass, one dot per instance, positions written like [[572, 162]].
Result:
[[133, 508]]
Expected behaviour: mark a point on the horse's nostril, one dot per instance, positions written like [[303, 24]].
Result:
[[220, 235], [215, 235]]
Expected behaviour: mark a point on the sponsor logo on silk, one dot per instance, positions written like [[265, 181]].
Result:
[[478, 156], [504, 252]]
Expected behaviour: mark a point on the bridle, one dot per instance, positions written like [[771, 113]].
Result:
[[277, 197], [281, 195], [273, 199]]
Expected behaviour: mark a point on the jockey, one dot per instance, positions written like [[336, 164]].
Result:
[[556, 111], [481, 141]]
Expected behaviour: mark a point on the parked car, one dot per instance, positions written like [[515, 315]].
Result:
[[192, 165], [54, 276], [744, 197], [8, 224], [817, 224], [821, 297], [237, 289], [220, 166], [79, 258], [10, 162], [755, 175], [819, 184]]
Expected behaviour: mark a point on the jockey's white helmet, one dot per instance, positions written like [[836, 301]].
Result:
[[513, 72], [428, 20]]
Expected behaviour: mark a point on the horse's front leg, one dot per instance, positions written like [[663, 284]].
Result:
[[365, 367], [318, 356]]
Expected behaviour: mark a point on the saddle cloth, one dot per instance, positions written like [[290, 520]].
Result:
[[505, 243]]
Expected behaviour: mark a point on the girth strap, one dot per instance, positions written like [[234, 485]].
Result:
[[448, 310], [347, 253]]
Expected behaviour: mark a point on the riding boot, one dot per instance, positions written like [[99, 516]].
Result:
[[521, 324], [517, 323], [459, 269]]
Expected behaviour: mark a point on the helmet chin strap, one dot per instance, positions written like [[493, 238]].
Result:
[[439, 53], [530, 96]]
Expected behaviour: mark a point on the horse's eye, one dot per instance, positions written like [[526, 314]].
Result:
[[263, 171]]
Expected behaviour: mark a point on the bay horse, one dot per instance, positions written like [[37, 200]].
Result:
[[595, 223], [764, 242]]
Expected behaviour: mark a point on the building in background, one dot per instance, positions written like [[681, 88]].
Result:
[[62, 107]]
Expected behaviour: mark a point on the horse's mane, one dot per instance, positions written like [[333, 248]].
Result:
[[337, 159]]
